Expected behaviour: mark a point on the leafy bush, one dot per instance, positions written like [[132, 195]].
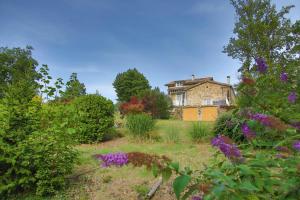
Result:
[[199, 131], [95, 117], [140, 125], [172, 134], [50, 157], [229, 125], [34, 155]]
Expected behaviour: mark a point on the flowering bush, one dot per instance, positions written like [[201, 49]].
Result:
[[269, 112], [137, 159]]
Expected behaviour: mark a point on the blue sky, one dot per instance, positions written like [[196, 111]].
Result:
[[164, 39]]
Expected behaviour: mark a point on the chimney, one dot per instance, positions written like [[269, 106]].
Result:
[[193, 76], [228, 80]]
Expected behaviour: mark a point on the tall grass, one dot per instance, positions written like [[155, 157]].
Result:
[[199, 132], [140, 125], [172, 134]]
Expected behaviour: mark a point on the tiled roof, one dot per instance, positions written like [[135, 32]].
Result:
[[189, 83]]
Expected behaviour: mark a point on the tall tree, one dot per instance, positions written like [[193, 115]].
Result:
[[130, 83], [74, 88], [18, 75], [260, 31]]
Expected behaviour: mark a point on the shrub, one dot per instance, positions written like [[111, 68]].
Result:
[[199, 131], [229, 125], [134, 106], [95, 117], [157, 103], [50, 157], [172, 134], [140, 125], [33, 155]]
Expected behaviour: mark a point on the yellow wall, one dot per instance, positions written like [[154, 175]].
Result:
[[209, 113], [190, 114]]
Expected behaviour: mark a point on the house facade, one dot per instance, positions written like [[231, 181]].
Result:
[[198, 94]]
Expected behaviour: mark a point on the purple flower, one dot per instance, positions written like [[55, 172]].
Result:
[[296, 125], [196, 198], [261, 65], [113, 159], [284, 77], [297, 145], [292, 97], [228, 148], [262, 118], [248, 133]]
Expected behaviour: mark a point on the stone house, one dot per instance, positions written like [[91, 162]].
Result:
[[200, 98]]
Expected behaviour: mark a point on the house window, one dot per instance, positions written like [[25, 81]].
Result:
[[206, 102], [178, 84], [180, 99]]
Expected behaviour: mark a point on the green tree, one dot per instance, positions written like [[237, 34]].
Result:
[[18, 75], [130, 83], [74, 88], [260, 31]]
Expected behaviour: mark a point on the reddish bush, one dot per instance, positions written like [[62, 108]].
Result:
[[134, 106]]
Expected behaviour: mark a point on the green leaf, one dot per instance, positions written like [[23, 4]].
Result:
[[248, 186], [166, 174], [175, 166], [245, 170], [155, 170], [180, 183]]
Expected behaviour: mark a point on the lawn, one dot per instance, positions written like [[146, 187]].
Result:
[[90, 181]]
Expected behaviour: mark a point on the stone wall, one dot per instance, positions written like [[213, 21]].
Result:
[[212, 91]]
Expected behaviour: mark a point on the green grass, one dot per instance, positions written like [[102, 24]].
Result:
[[114, 182]]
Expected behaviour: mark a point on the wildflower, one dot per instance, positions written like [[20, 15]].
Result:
[[292, 97], [228, 148], [284, 77], [248, 133], [283, 149], [196, 198], [269, 121], [261, 65], [296, 125], [113, 159], [296, 145], [262, 118], [284, 152]]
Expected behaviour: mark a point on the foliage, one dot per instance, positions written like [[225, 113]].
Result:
[[157, 103], [142, 190], [130, 83], [134, 106], [140, 125], [36, 152], [261, 31], [74, 88], [268, 115], [50, 157], [95, 117], [34, 155], [229, 124], [199, 132], [18, 75]]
